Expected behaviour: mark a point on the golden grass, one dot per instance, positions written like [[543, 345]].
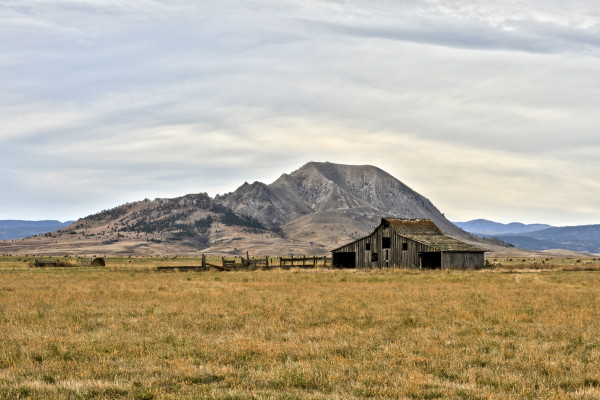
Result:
[[126, 331]]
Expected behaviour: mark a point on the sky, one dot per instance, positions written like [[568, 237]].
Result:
[[487, 108]]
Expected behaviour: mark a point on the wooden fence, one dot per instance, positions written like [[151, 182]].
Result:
[[303, 261], [247, 263]]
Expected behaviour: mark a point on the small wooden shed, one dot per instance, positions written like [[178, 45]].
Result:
[[408, 243]]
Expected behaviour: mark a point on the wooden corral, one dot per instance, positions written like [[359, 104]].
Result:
[[255, 263], [302, 261], [407, 243], [226, 265], [247, 263], [182, 268]]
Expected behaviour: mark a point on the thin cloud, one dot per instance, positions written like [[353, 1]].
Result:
[[526, 36], [492, 26], [118, 101]]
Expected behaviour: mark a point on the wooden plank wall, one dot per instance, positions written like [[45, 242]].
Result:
[[392, 257], [396, 257], [464, 260]]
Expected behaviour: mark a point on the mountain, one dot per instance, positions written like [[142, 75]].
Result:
[[309, 211], [16, 229], [584, 238], [361, 193], [486, 227]]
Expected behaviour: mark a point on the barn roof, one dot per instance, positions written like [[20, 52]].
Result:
[[407, 227], [445, 243], [426, 232]]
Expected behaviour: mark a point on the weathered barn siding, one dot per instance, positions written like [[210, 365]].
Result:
[[426, 247], [464, 260]]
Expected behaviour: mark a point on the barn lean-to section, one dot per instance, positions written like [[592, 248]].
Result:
[[407, 243]]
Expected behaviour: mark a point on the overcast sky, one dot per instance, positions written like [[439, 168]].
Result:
[[488, 108]]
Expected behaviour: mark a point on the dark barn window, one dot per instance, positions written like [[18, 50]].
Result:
[[404, 246], [374, 257], [367, 246], [385, 243]]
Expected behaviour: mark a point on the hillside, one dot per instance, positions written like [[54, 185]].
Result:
[[309, 211], [319, 194]]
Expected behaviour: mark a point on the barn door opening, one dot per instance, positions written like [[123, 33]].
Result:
[[344, 260], [431, 260]]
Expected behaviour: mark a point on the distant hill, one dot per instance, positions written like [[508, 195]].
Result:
[[585, 238], [309, 211], [486, 227], [17, 229]]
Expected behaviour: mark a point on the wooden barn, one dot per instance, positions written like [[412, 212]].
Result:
[[408, 243]]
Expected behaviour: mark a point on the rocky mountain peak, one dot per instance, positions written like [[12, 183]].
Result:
[[324, 187]]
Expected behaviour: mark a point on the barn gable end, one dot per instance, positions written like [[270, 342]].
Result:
[[407, 243]]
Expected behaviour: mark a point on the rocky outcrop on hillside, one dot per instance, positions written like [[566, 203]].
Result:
[[365, 192]]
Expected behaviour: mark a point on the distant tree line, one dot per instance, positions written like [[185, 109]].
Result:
[[228, 217], [113, 213]]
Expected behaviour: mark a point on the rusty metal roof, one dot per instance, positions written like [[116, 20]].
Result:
[[444, 243], [407, 227], [426, 232]]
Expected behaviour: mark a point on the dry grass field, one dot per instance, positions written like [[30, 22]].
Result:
[[126, 331]]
